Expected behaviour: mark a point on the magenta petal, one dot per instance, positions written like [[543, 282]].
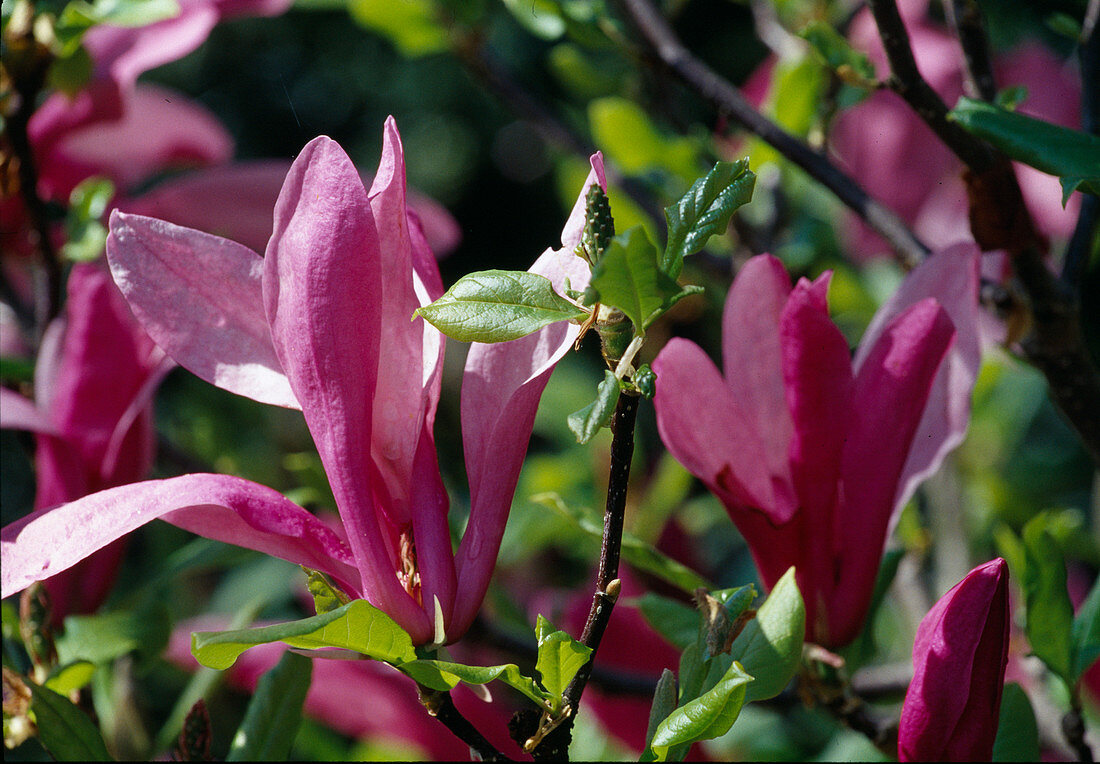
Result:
[[200, 298], [215, 506], [501, 388], [17, 413], [322, 290], [817, 377], [952, 277], [952, 707], [890, 394], [752, 357]]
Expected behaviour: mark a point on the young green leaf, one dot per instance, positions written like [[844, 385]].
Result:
[[709, 716], [560, 657], [72, 676], [326, 596], [705, 210], [103, 637], [84, 229], [497, 306], [357, 626], [676, 622], [443, 676], [1049, 610], [1086, 632], [770, 646], [629, 278], [851, 65], [1017, 731], [63, 729], [274, 713], [1069, 154], [664, 703], [588, 421]]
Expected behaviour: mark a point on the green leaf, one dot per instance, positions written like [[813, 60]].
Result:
[[70, 677], [496, 306], [539, 17], [16, 369], [560, 657], [664, 703], [71, 71], [1049, 610], [709, 716], [638, 553], [1056, 150], [326, 595], [676, 622], [443, 676], [588, 421], [1011, 97], [81, 15], [274, 713], [357, 626], [106, 636], [1086, 632], [84, 229], [1017, 732], [770, 646], [411, 25], [629, 278], [705, 210], [63, 729], [851, 65], [629, 138]]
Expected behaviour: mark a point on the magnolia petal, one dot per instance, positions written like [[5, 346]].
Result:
[[200, 298], [218, 507], [891, 390], [322, 292], [501, 389], [952, 277], [18, 413], [817, 377], [752, 356], [951, 709]]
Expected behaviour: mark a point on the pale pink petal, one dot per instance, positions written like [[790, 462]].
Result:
[[752, 359], [322, 291], [952, 277], [501, 388], [18, 413], [218, 507], [200, 298], [891, 390]]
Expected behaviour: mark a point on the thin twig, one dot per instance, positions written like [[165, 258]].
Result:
[[966, 21], [442, 707], [1084, 234], [728, 101]]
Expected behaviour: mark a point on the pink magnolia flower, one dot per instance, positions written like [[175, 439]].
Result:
[[901, 162], [321, 323], [93, 419], [952, 706], [811, 452]]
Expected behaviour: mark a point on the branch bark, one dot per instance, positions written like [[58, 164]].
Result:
[[442, 707]]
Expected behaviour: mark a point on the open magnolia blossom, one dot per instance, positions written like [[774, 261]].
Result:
[[92, 417], [322, 323], [952, 707], [812, 452]]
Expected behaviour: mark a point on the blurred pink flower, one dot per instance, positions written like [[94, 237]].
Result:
[[952, 706], [94, 384], [322, 323], [890, 151], [812, 452]]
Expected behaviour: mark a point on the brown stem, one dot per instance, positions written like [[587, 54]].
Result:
[[442, 707], [966, 21], [672, 54]]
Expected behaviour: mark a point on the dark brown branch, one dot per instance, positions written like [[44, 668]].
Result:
[[966, 21], [729, 102], [1073, 727], [442, 707]]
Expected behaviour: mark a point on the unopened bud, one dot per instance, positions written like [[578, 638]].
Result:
[[194, 741]]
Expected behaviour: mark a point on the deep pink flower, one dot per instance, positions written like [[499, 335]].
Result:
[[810, 451], [94, 383], [952, 706], [322, 323]]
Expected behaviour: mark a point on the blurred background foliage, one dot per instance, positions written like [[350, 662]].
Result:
[[498, 104]]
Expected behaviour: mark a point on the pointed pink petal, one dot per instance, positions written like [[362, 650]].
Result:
[[707, 429], [322, 290], [752, 359], [952, 277], [890, 395], [199, 297], [951, 710], [215, 506], [412, 350], [500, 393], [18, 413], [817, 377]]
